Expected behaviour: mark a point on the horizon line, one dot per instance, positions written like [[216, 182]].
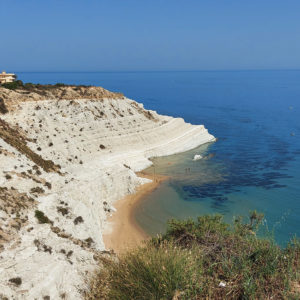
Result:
[[162, 71]]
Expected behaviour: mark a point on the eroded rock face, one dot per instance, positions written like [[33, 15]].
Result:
[[14, 208], [9, 99], [97, 140]]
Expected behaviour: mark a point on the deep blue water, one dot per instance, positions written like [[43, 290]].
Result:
[[256, 161]]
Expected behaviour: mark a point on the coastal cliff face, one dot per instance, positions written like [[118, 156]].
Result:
[[66, 155]]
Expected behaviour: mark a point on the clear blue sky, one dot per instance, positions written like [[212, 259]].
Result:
[[131, 35]]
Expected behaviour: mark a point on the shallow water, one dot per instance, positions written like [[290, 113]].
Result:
[[254, 165], [203, 186]]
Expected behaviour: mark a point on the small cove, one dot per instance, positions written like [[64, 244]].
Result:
[[193, 189], [254, 165]]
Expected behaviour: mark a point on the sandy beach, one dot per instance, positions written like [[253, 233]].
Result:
[[124, 232]]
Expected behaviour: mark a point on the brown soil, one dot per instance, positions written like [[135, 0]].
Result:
[[9, 99]]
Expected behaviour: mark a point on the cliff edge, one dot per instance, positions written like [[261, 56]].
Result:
[[67, 154]]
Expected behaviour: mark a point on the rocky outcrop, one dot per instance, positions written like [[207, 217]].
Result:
[[10, 99], [96, 141]]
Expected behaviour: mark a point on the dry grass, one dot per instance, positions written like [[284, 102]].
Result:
[[14, 207], [14, 138], [203, 259]]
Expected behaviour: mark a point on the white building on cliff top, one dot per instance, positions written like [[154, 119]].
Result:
[[7, 77]]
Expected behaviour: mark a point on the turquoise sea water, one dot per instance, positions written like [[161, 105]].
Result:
[[255, 164]]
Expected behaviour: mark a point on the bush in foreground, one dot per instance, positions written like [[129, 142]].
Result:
[[203, 259]]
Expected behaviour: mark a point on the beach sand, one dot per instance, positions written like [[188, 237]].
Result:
[[125, 233]]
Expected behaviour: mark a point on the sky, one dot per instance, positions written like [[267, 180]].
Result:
[[144, 35]]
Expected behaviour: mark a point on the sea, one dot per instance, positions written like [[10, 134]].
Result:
[[255, 163]]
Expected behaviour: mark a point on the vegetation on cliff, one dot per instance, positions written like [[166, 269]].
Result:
[[59, 91], [18, 84], [14, 138], [203, 259]]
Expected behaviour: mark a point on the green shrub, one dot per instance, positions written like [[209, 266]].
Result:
[[60, 84], [29, 86], [149, 273], [203, 259], [42, 218], [13, 85]]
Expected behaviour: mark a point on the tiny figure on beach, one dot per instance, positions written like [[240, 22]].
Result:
[[187, 170]]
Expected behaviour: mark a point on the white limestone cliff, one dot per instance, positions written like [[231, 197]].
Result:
[[99, 145]]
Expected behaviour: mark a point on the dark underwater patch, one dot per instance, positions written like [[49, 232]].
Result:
[[259, 164]]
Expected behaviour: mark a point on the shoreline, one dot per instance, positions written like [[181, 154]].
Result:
[[123, 232], [93, 135]]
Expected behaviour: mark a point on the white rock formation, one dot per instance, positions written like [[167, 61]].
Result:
[[99, 144], [197, 157]]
